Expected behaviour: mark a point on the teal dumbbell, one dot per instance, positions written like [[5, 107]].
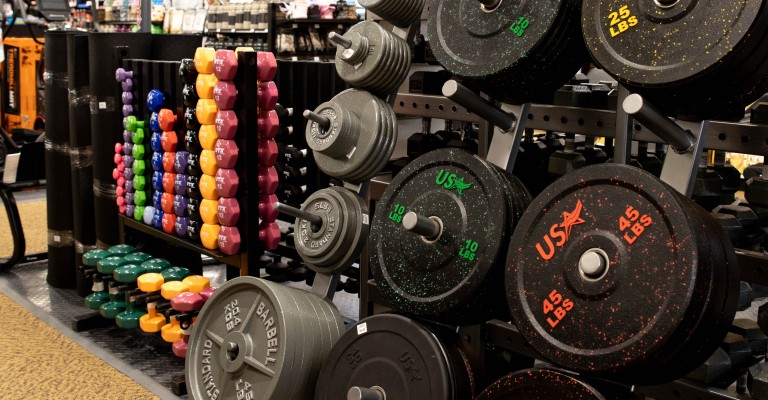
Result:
[[137, 257], [121, 249], [127, 275], [156, 265], [98, 295]]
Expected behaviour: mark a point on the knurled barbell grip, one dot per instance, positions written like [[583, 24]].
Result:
[[421, 225], [362, 393], [313, 219], [478, 105], [680, 139]]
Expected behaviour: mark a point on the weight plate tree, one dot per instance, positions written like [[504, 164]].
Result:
[[440, 234], [260, 340], [516, 51], [691, 58], [335, 243], [612, 272], [393, 357], [539, 384]]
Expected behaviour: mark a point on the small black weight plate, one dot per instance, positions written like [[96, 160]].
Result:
[[393, 352], [453, 277], [243, 342], [539, 384], [649, 45], [623, 319]]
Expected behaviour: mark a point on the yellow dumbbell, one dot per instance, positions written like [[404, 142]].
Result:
[[206, 111], [204, 60], [197, 283], [207, 136], [204, 85], [209, 211], [208, 163], [209, 236], [208, 187]]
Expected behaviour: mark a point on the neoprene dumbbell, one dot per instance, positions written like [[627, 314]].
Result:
[[138, 213], [167, 202], [149, 215], [169, 222], [268, 124], [229, 240], [182, 223], [228, 210], [267, 211], [193, 209], [193, 187], [225, 95], [269, 234], [208, 136], [157, 161], [90, 262], [204, 57], [268, 180], [166, 120], [116, 303], [154, 122], [190, 118], [127, 276], [180, 204], [266, 97], [169, 141], [121, 74], [180, 184], [266, 66], [192, 141], [155, 100], [193, 229], [209, 211], [130, 123], [169, 158], [267, 152], [225, 65], [157, 180], [208, 163], [189, 95], [188, 305], [157, 219], [156, 141], [226, 124], [188, 71], [226, 151], [205, 85], [169, 182], [206, 111], [209, 236], [208, 188], [227, 182], [180, 162]]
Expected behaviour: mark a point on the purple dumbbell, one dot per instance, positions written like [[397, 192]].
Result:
[[121, 74], [127, 85], [180, 205], [128, 160], [181, 226], [227, 182], [129, 210], [127, 136], [127, 148], [127, 98], [180, 162], [226, 153], [129, 198], [228, 210], [128, 174], [129, 186], [180, 184], [127, 110]]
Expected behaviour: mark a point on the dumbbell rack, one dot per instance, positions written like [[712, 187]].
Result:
[[249, 221], [715, 135]]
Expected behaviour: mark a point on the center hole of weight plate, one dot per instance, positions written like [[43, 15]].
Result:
[[666, 3], [233, 350], [593, 264], [489, 5], [430, 228]]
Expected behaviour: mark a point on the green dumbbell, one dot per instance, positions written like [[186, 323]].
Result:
[[127, 275], [137, 137], [121, 249], [131, 123], [138, 212], [156, 265], [99, 296], [175, 274], [107, 267], [137, 257]]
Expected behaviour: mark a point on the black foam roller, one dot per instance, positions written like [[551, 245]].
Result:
[[61, 249], [80, 152], [107, 52]]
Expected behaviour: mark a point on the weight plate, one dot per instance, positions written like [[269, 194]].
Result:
[[400, 13], [386, 142], [243, 341], [454, 277], [392, 352], [539, 384], [584, 268], [303, 341]]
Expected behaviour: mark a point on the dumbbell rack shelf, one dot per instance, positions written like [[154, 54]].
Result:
[[237, 260], [727, 136]]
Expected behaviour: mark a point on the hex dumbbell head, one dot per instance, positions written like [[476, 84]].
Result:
[[193, 164], [205, 85], [175, 274], [169, 158], [127, 98], [155, 100], [229, 240], [209, 236], [269, 234], [192, 141], [207, 293], [209, 211], [121, 74], [193, 209], [150, 282], [180, 184], [166, 202], [171, 289], [227, 182], [267, 95], [267, 210], [226, 124], [169, 140], [156, 265], [139, 182], [204, 57], [208, 188], [206, 111], [157, 180], [140, 198], [190, 118], [181, 226], [187, 302], [157, 200], [193, 187], [128, 273], [267, 151], [225, 95], [127, 110], [169, 182], [127, 148], [268, 180], [156, 141], [157, 219], [208, 137], [228, 210], [225, 65], [127, 85], [188, 71], [266, 66], [169, 223], [130, 123], [118, 158], [193, 229], [139, 166], [180, 203], [137, 137], [197, 283], [208, 162], [226, 151], [166, 119], [180, 162], [189, 95], [154, 122], [149, 215], [268, 124], [138, 151]]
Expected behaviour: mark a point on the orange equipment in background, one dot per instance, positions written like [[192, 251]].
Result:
[[23, 87]]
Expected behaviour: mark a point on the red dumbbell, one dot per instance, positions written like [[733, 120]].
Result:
[[267, 210], [226, 124], [166, 119], [268, 124], [267, 152], [169, 158], [169, 183], [228, 211], [226, 153], [269, 234], [169, 222], [229, 240], [169, 140], [267, 95], [166, 203], [268, 180], [227, 182]]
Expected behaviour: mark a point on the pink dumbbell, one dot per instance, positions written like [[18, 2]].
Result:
[[268, 180], [269, 234], [227, 182], [228, 211], [267, 95], [225, 95], [226, 124], [267, 210], [266, 66], [229, 240], [118, 159], [118, 147], [207, 293], [267, 152], [186, 302], [226, 153], [225, 65], [268, 124]]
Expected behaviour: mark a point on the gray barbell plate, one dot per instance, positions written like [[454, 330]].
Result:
[[339, 139], [319, 247], [386, 143], [401, 13], [260, 362], [358, 223], [305, 346]]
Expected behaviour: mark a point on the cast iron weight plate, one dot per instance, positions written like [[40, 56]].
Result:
[[612, 272]]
